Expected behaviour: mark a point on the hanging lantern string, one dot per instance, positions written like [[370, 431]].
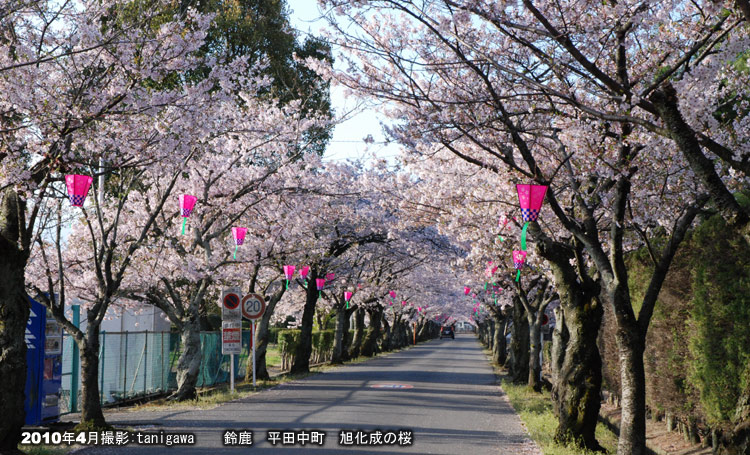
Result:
[[523, 236], [235, 249], [184, 220], [518, 275]]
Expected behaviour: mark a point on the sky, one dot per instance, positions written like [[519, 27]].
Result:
[[347, 141]]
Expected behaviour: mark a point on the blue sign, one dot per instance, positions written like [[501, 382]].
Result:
[[44, 366]]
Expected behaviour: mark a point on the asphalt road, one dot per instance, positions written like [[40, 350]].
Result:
[[443, 392]]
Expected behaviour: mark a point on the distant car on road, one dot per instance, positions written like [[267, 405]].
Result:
[[446, 332]]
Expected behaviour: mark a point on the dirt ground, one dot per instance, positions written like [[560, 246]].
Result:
[[658, 438]]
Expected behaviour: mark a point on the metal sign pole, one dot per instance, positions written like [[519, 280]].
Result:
[[252, 339], [231, 372]]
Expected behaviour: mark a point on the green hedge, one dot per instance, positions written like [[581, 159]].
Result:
[[287, 340], [273, 335], [322, 345], [697, 356]]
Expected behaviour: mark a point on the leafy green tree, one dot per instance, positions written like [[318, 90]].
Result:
[[260, 30]]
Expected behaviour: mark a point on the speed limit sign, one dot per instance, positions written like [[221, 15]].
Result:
[[253, 306]]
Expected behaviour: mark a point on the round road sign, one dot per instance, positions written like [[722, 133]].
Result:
[[253, 306], [231, 301]]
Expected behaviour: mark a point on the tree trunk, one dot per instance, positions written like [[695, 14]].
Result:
[[560, 337], [422, 331], [319, 320], [359, 330], [14, 314], [670, 421], [370, 343], [499, 347], [304, 347], [261, 349], [395, 334], [519, 345], [491, 332], [633, 393], [91, 408], [399, 333], [261, 341], [484, 335], [576, 393], [189, 363], [387, 342], [666, 103], [736, 441], [535, 347], [348, 339], [342, 330]]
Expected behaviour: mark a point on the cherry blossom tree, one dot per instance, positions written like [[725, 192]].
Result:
[[504, 88], [75, 98], [236, 187]]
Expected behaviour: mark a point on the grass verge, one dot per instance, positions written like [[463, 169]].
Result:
[[535, 410], [46, 450]]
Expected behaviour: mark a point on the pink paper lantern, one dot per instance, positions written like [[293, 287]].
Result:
[[330, 276], [78, 187], [403, 302], [304, 271], [467, 290], [239, 238], [392, 294], [288, 273], [320, 283], [519, 258], [239, 235], [530, 198], [187, 204], [347, 296]]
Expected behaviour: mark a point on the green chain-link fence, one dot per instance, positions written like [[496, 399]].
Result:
[[138, 364]]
